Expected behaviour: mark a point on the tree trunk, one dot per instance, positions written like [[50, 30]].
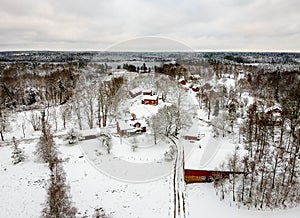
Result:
[[1, 134]]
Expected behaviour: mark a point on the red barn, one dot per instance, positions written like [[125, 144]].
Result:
[[202, 159], [203, 175], [150, 99]]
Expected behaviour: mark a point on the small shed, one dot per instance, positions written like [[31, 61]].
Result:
[[88, 134], [191, 137], [147, 92], [135, 92]]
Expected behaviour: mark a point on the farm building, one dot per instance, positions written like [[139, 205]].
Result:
[[191, 137], [203, 175], [131, 127], [135, 92], [195, 88], [147, 92], [150, 99], [202, 160], [88, 134]]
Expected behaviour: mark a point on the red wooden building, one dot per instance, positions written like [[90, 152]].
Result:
[[150, 99], [202, 159], [205, 175]]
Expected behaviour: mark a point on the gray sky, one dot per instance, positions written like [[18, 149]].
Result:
[[242, 25]]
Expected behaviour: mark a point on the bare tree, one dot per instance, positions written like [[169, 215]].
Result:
[[66, 113], [105, 139], [35, 120], [3, 122], [134, 144], [155, 126], [89, 100], [77, 111], [106, 98], [233, 166]]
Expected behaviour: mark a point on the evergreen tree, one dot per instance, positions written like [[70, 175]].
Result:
[[17, 154], [46, 149], [99, 213], [58, 203]]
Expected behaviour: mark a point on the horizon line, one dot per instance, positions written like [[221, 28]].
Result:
[[158, 51]]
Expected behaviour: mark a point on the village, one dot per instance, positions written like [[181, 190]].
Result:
[[175, 135]]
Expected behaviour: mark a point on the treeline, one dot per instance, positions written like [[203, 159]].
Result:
[[133, 68], [27, 89], [174, 70]]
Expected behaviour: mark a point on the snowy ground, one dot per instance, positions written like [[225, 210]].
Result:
[[23, 191], [23, 187], [202, 201]]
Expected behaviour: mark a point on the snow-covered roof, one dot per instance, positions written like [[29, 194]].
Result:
[[136, 90], [150, 97], [88, 132], [210, 155], [147, 90], [275, 107], [129, 124], [143, 111], [124, 125], [141, 121]]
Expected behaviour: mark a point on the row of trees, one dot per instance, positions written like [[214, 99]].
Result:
[[58, 202]]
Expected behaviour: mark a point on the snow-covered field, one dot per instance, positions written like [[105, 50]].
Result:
[[23, 187], [202, 201]]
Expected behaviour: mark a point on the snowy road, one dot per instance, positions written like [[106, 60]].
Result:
[[178, 183]]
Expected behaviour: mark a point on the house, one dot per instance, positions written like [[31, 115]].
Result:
[[195, 88], [131, 127], [150, 99], [274, 111], [135, 92], [182, 82]]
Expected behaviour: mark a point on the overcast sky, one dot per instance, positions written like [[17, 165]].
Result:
[[242, 25]]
